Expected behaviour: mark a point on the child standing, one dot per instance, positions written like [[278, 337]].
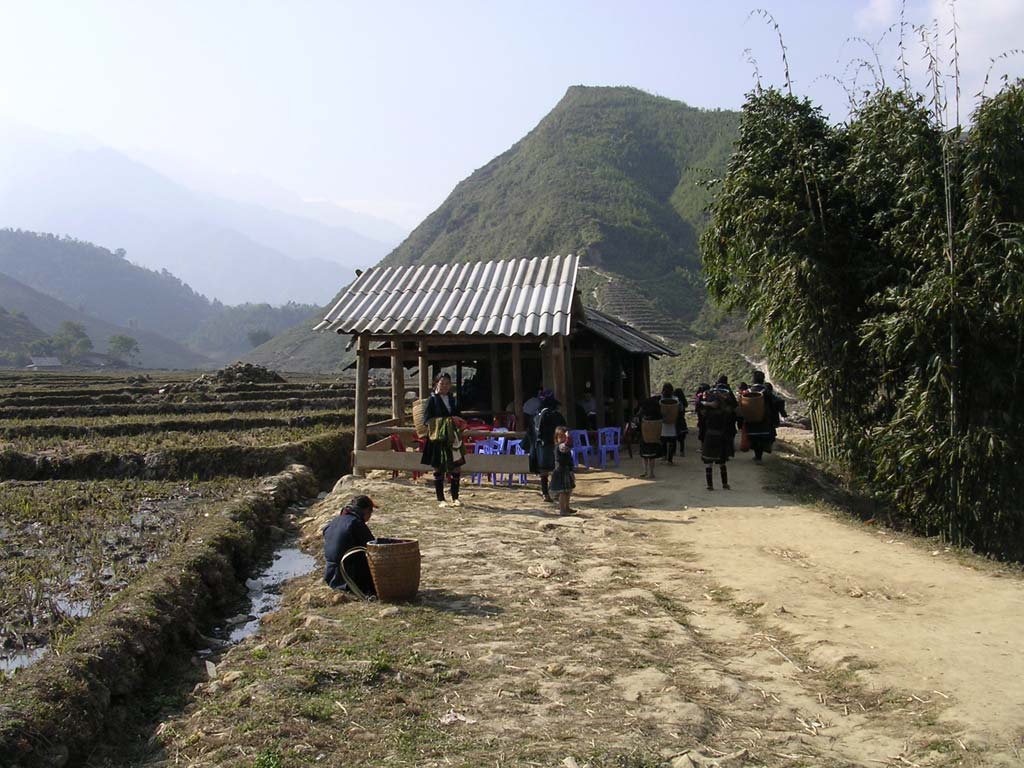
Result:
[[563, 479]]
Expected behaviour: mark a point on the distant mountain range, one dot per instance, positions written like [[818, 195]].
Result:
[[42, 313], [231, 251], [50, 279], [612, 174]]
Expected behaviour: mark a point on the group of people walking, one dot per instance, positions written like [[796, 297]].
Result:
[[754, 414]]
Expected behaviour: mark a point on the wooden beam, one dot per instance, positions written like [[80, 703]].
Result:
[[410, 462], [424, 371], [386, 430], [380, 445], [392, 422], [618, 408], [397, 382], [517, 385], [362, 391], [569, 388], [458, 380], [496, 405], [598, 381]]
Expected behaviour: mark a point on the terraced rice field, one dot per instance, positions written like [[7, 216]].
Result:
[[67, 546]]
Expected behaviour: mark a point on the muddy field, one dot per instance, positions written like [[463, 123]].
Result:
[[68, 546], [664, 626]]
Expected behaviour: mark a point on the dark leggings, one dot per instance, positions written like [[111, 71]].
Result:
[[709, 474], [439, 485]]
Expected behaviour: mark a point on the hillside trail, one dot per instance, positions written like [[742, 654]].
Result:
[[665, 625]]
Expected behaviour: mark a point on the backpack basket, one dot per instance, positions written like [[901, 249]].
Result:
[[752, 406], [419, 410], [650, 430]]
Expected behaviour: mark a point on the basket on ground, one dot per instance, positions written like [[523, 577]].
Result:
[[395, 565]]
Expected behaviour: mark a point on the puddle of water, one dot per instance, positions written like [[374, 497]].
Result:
[[10, 662], [265, 589], [76, 609]]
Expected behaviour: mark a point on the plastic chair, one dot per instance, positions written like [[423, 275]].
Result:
[[514, 447], [582, 451], [487, 446], [399, 447], [608, 441]]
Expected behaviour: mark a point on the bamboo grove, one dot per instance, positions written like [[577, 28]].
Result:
[[883, 261]]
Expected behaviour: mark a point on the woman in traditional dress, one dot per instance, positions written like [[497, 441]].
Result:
[[718, 409], [650, 434], [443, 449], [542, 439], [670, 408]]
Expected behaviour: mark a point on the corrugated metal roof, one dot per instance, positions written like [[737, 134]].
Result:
[[624, 335], [521, 297]]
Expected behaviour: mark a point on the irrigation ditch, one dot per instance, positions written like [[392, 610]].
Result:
[[53, 712]]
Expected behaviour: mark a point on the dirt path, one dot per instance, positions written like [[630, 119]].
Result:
[[665, 626]]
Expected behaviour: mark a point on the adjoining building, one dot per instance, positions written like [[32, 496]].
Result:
[[520, 325]]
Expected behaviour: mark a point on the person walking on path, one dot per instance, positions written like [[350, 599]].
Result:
[[563, 479], [670, 408], [444, 450], [541, 437], [718, 407], [651, 447], [344, 533], [681, 429]]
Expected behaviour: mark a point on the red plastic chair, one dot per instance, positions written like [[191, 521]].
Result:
[[399, 447]]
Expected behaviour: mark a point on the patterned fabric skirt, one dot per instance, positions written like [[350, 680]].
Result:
[[563, 480]]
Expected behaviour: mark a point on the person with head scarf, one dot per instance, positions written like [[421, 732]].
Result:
[[541, 439], [717, 406], [344, 533]]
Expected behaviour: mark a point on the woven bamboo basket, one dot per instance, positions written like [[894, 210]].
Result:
[[751, 406], [419, 409], [669, 411], [650, 429], [395, 565]]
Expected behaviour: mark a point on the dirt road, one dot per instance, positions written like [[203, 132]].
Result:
[[664, 626]]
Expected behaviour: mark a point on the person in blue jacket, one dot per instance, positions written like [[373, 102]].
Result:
[[347, 531]]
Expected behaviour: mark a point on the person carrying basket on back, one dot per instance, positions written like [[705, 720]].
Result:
[[443, 449]]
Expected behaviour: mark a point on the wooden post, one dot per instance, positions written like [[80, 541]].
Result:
[[647, 376], [424, 371], [458, 380], [618, 410], [362, 394], [496, 405], [547, 356], [517, 385], [570, 385], [558, 370], [599, 382], [397, 383]]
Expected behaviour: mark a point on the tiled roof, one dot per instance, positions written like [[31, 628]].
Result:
[[623, 335], [521, 297]]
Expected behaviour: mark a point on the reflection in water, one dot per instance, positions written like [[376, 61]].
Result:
[[20, 659], [265, 589]]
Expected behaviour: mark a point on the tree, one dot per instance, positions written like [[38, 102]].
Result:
[[123, 347], [259, 336], [883, 260], [71, 341]]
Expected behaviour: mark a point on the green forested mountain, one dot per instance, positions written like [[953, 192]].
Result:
[[234, 331], [104, 284], [610, 173], [47, 314]]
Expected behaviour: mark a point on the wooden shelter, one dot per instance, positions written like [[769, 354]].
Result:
[[519, 325]]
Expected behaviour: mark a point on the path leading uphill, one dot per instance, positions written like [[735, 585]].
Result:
[[665, 626]]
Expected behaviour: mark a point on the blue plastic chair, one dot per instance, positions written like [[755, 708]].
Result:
[[514, 447], [489, 447], [609, 440], [582, 451]]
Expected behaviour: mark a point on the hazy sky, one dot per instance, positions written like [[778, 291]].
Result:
[[385, 106]]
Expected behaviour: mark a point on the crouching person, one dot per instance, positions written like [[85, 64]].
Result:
[[344, 533]]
